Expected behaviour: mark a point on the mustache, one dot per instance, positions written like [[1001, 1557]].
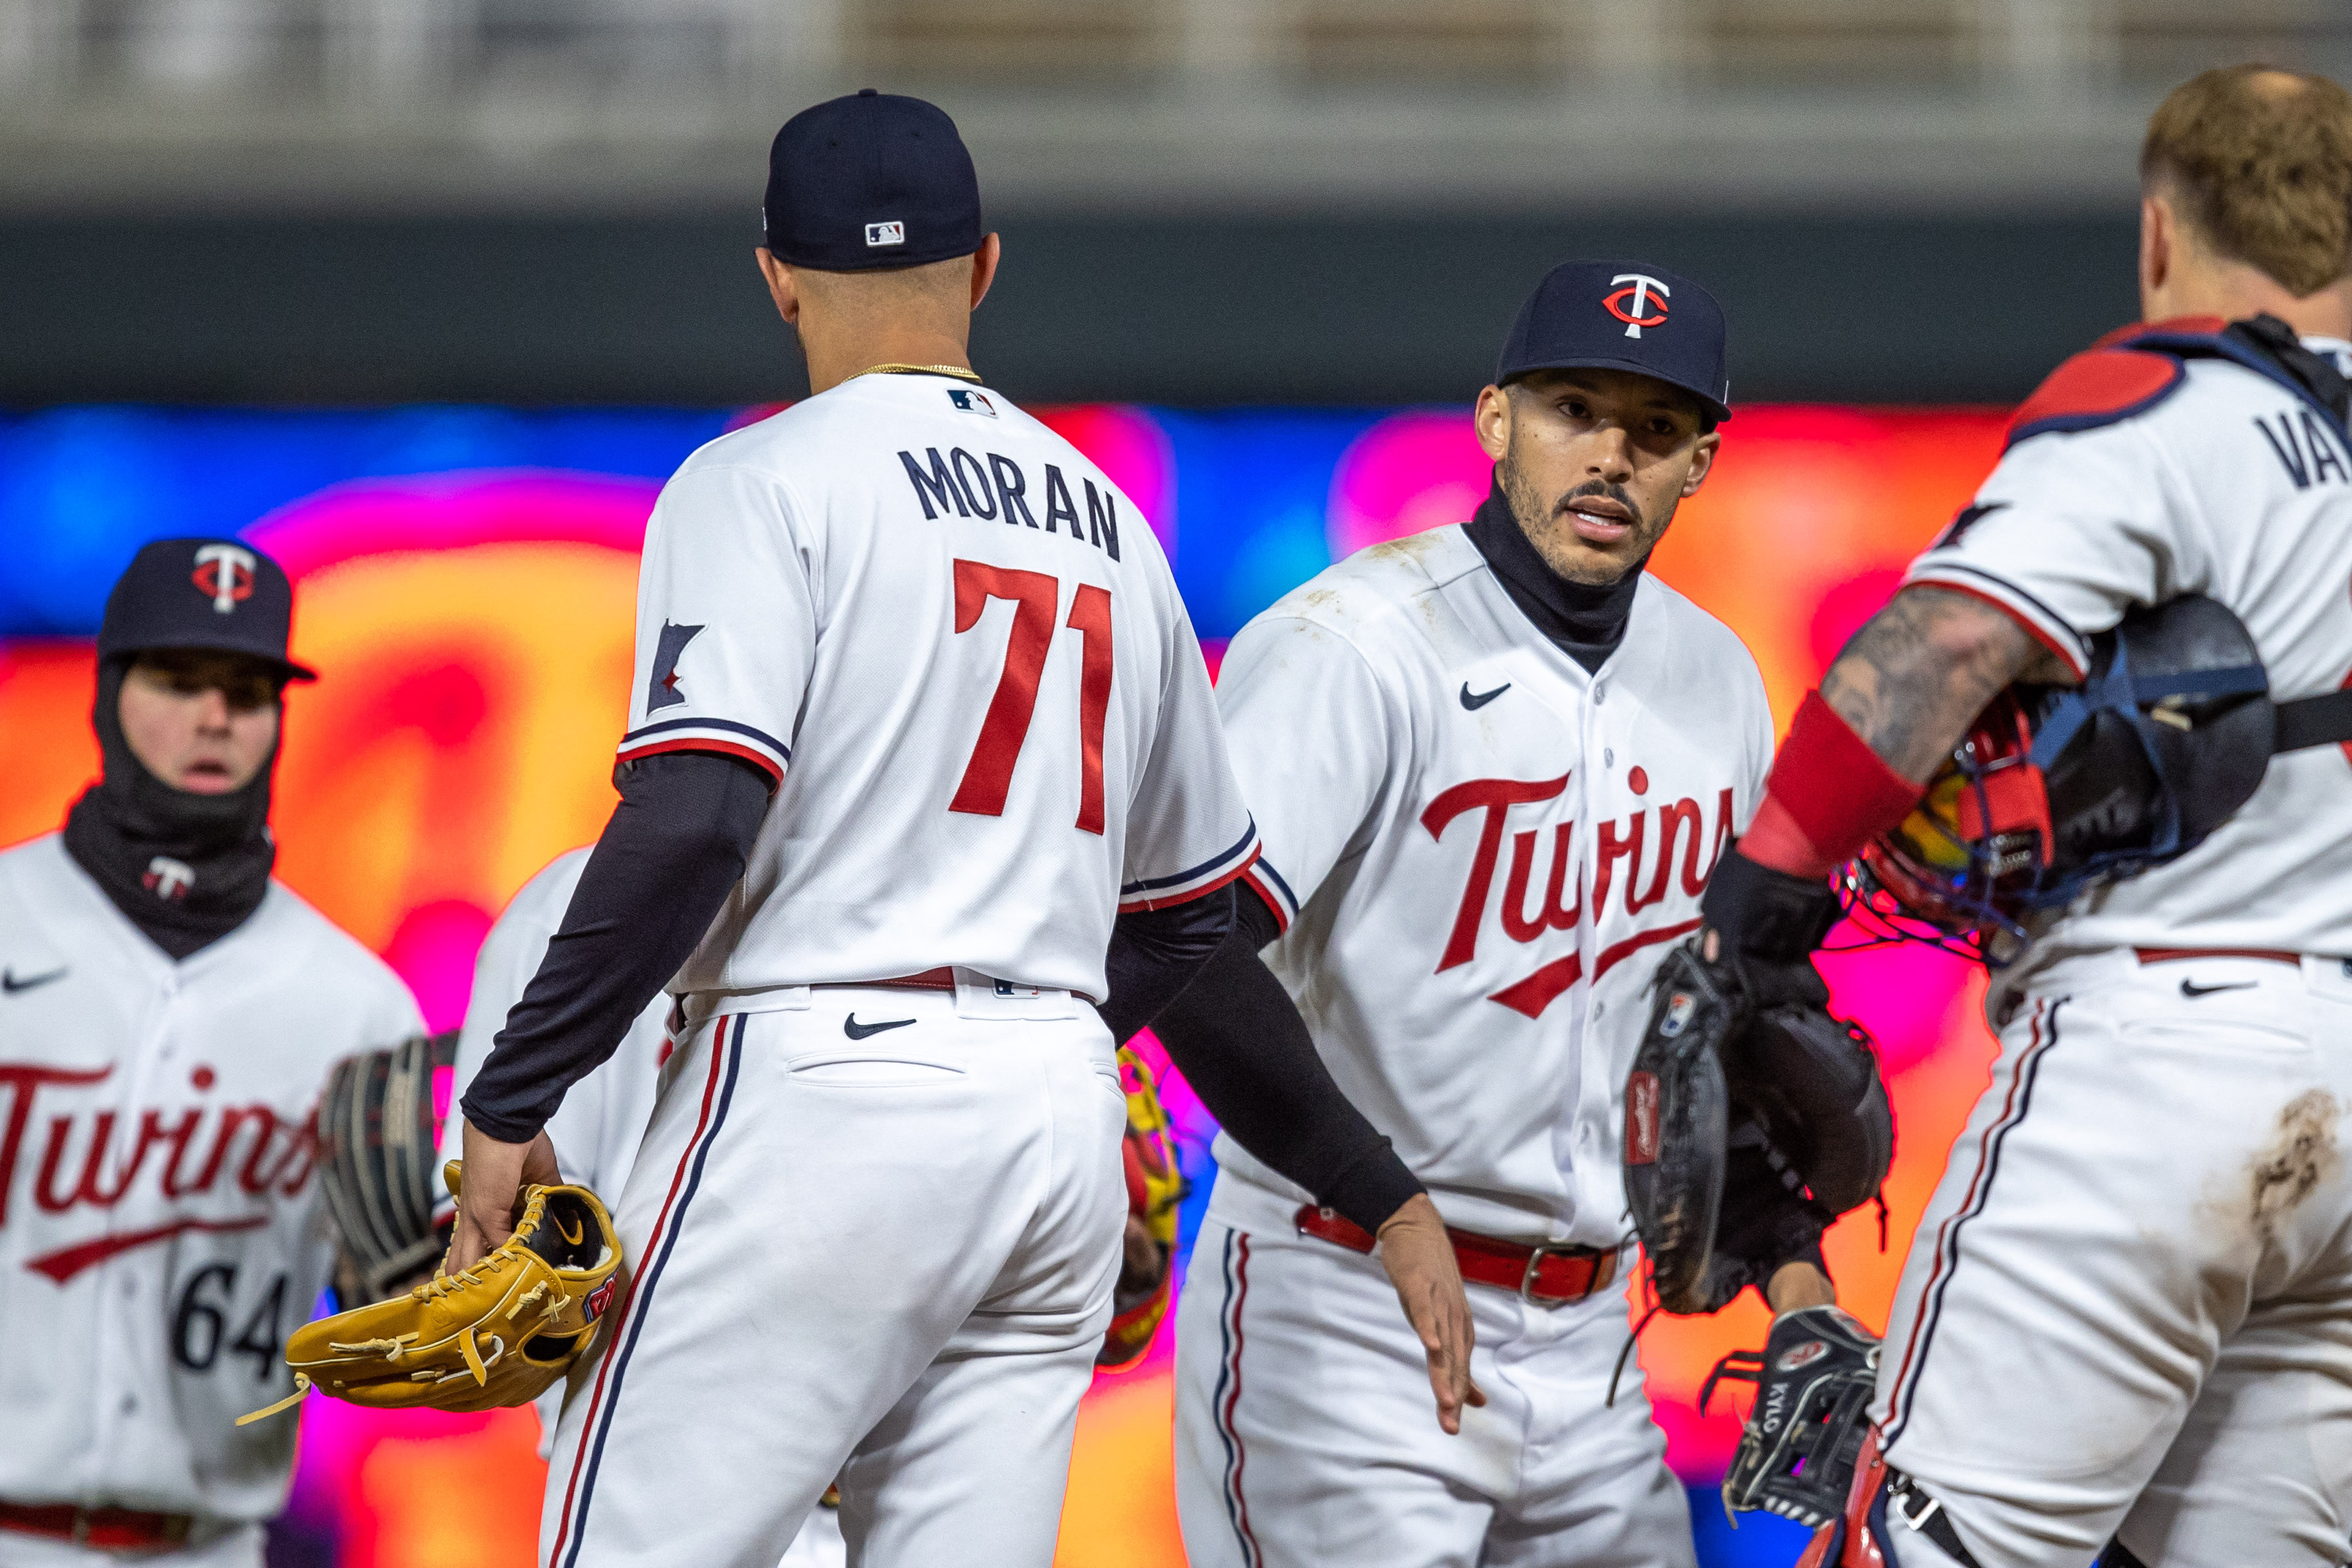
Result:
[[1617, 493]]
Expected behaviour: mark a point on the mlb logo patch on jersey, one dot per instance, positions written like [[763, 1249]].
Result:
[[881, 234], [972, 401], [1026, 993]]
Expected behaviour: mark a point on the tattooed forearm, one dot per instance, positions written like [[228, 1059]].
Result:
[[1913, 679]]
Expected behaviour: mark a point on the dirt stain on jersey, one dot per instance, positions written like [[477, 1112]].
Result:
[[2300, 1156]]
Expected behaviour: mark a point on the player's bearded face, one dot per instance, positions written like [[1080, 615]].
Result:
[[1594, 463]]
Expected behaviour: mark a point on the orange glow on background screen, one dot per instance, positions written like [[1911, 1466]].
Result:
[[473, 626]]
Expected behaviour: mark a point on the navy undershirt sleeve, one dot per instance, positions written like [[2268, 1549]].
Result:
[[1240, 1043], [1155, 953], [674, 850]]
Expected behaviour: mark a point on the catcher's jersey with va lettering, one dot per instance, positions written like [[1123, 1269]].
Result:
[[959, 648], [2233, 487], [161, 1225], [1479, 852]]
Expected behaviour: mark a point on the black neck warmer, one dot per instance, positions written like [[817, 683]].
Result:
[[1584, 622], [185, 868]]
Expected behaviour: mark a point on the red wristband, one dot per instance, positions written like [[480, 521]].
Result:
[[1830, 794]]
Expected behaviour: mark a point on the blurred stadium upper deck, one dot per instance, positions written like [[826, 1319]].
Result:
[[1118, 105], [1205, 201]]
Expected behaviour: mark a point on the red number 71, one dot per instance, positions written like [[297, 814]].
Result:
[[989, 775]]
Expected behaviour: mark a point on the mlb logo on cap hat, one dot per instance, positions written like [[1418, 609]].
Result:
[[836, 170]]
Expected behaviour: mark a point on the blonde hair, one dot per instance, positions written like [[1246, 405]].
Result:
[[2258, 162]]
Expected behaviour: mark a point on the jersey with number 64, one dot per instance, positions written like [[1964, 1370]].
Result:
[[161, 1225], [958, 649]]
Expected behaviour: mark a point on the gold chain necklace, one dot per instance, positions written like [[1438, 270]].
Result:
[[957, 371]]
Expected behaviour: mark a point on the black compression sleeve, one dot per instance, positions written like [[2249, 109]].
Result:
[[674, 850], [1155, 955], [1240, 1043]]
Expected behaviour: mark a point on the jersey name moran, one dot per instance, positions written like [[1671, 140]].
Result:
[[1000, 490]]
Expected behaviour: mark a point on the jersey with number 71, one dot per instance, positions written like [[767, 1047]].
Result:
[[959, 652]]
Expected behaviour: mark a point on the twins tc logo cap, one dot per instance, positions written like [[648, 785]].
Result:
[[1622, 315], [870, 180], [201, 593]]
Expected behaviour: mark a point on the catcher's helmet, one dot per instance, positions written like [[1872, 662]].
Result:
[[2055, 790]]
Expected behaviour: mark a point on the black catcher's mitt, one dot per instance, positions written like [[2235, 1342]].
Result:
[[1747, 1132], [377, 1161], [1813, 1384], [1677, 1106]]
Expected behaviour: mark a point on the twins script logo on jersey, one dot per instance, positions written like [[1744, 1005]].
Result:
[[225, 571], [249, 1146], [1648, 307], [168, 879], [1555, 909]]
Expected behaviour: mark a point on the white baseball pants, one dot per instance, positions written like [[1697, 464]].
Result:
[[1306, 1434], [2129, 1305], [881, 1254]]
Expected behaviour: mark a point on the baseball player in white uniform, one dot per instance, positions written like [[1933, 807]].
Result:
[[169, 1013], [1492, 765], [2127, 1311], [602, 1119], [925, 803]]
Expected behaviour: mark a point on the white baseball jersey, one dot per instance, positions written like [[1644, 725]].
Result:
[[603, 1117], [959, 648], [601, 1122], [161, 1225], [2234, 486], [1480, 852]]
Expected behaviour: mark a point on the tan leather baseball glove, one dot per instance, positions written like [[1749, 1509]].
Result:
[[497, 1334]]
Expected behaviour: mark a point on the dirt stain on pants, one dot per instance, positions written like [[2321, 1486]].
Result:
[[2301, 1156]]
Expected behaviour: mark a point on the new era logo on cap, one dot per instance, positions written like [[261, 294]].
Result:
[[1640, 302], [884, 234]]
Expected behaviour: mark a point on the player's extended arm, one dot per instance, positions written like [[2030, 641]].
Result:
[[1240, 1042], [1889, 712], [676, 845]]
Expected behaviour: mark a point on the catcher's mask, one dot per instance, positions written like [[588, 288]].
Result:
[[2056, 790]]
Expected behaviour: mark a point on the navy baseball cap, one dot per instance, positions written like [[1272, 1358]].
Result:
[[201, 593], [869, 182], [1622, 315]]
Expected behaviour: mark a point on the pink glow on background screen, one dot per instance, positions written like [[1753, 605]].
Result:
[[474, 629]]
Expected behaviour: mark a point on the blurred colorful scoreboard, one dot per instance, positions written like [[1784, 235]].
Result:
[[465, 582]]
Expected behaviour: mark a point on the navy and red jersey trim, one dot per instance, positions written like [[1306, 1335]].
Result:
[[2039, 621], [1160, 892], [724, 736], [1272, 891]]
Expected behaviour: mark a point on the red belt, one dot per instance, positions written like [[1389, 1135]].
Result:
[[1547, 1276], [2167, 954], [940, 979], [112, 1529]]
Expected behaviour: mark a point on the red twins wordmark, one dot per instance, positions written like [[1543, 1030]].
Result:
[[1680, 834], [190, 1151]]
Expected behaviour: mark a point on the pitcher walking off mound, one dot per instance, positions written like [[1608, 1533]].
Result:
[[924, 788]]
